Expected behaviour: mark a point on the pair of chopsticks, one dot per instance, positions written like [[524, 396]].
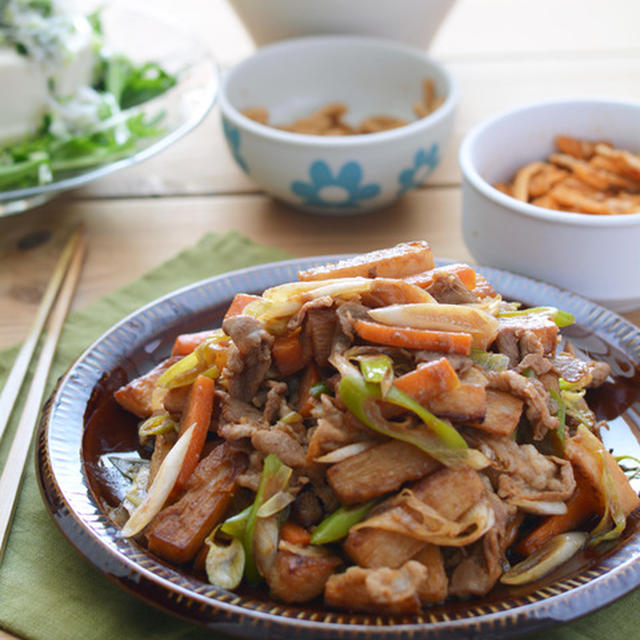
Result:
[[54, 307]]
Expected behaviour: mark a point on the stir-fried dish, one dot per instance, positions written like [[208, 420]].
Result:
[[382, 433]]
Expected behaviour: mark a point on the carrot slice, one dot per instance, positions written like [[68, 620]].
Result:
[[305, 399], [197, 412], [238, 304], [295, 534], [443, 341], [425, 279], [288, 355], [184, 344], [580, 506], [429, 380]]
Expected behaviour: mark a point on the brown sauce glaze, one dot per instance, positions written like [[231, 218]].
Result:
[[614, 398], [617, 395]]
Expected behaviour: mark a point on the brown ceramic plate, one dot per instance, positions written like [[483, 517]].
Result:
[[82, 425]]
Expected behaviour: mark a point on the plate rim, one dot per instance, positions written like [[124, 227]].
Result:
[[555, 608]]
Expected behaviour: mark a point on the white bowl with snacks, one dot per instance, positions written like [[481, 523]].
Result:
[[414, 22], [596, 254], [321, 88]]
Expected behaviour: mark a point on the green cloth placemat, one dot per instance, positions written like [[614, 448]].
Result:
[[49, 592]]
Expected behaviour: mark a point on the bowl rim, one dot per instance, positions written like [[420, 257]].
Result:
[[343, 142], [470, 173]]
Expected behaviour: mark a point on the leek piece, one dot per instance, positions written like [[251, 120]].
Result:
[[544, 560], [161, 488], [225, 563], [275, 477], [577, 407], [336, 526], [155, 425], [235, 525], [560, 317], [202, 359], [613, 513], [439, 439], [318, 389], [375, 368], [631, 472], [490, 361]]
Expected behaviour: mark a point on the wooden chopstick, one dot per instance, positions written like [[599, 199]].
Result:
[[11, 477], [16, 376]]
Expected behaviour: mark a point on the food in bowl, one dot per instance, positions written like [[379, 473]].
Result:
[[582, 176], [382, 432], [68, 100], [336, 175], [595, 256], [329, 119]]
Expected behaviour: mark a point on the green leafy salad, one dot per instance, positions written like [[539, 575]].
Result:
[[97, 122]]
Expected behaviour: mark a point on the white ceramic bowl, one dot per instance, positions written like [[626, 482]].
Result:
[[594, 255], [413, 22], [336, 174]]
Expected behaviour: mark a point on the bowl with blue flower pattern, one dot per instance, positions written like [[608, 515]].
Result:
[[332, 174]]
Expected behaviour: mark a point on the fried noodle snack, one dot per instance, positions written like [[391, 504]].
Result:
[[329, 119], [583, 177]]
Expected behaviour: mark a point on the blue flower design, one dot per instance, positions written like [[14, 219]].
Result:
[[232, 135], [340, 191], [424, 163]]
